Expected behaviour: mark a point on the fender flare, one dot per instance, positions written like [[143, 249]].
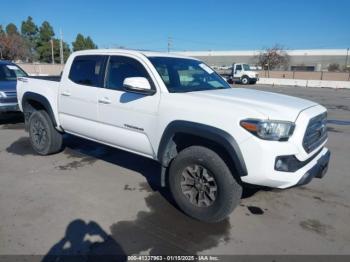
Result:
[[42, 100], [214, 134]]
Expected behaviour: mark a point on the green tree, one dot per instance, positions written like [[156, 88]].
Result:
[[46, 32], [11, 29], [66, 51], [89, 43], [43, 46], [2, 35], [79, 43], [30, 32], [82, 43]]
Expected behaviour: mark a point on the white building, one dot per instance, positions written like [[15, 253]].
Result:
[[309, 60]]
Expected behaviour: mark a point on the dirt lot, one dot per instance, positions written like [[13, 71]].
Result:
[[91, 193]]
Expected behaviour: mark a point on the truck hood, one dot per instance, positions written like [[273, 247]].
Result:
[[8, 86], [272, 105]]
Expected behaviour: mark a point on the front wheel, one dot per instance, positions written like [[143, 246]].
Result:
[[44, 138], [202, 185]]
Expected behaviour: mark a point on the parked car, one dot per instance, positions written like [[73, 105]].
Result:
[[8, 81], [209, 138], [242, 73]]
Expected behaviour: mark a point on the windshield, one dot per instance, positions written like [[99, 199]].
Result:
[[187, 75], [10, 72], [246, 67]]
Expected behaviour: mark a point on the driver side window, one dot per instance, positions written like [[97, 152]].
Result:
[[121, 67]]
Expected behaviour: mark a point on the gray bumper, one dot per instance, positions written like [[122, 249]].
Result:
[[9, 107]]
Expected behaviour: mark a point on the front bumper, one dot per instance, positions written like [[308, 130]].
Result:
[[13, 107], [319, 170], [264, 174]]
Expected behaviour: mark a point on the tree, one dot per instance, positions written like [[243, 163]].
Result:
[[43, 46], [333, 67], [29, 32], [82, 43], [2, 32], [89, 43], [272, 58], [12, 46], [11, 29], [46, 32]]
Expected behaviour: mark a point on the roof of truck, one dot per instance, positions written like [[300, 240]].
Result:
[[130, 51]]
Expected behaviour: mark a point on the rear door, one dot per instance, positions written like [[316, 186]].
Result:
[[78, 103], [127, 118]]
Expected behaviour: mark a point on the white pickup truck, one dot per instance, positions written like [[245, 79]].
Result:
[[210, 139]]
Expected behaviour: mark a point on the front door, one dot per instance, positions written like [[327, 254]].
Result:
[[128, 119]]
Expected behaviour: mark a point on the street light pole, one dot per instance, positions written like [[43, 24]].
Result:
[[170, 42], [52, 56], [61, 47]]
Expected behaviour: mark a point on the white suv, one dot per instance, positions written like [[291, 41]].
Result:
[[209, 138]]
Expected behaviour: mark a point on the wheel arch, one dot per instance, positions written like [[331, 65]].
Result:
[[32, 102], [199, 134]]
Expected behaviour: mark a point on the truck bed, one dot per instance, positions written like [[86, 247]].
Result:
[[46, 87]]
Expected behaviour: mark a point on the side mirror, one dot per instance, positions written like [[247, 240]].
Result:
[[139, 85]]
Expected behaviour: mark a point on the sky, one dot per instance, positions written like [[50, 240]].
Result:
[[192, 24]]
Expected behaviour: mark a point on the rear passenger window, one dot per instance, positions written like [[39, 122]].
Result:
[[87, 70]]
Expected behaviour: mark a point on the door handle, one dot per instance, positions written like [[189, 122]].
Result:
[[104, 101], [65, 93]]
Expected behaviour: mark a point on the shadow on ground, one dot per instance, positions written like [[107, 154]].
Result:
[[163, 229], [85, 242]]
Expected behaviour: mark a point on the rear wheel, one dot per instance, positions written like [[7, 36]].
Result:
[[44, 138], [202, 184]]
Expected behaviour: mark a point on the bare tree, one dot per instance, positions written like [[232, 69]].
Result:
[[12, 46], [334, 67], [274, 58]]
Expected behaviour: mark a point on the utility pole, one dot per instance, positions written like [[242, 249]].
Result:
[[61, 47], [347, 57], [52, 56], [170, 43]]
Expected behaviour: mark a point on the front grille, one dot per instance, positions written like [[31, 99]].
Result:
[[11, 93], [316, 133], [11, 97]]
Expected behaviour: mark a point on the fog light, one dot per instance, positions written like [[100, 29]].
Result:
[[281, 165]]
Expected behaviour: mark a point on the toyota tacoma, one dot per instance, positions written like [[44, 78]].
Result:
[[210, 139]]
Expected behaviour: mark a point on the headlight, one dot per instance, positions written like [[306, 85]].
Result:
[[268, 129], [2, 94]]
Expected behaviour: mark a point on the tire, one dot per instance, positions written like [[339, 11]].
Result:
[[43, 136], [245, 80], [228, 192]]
